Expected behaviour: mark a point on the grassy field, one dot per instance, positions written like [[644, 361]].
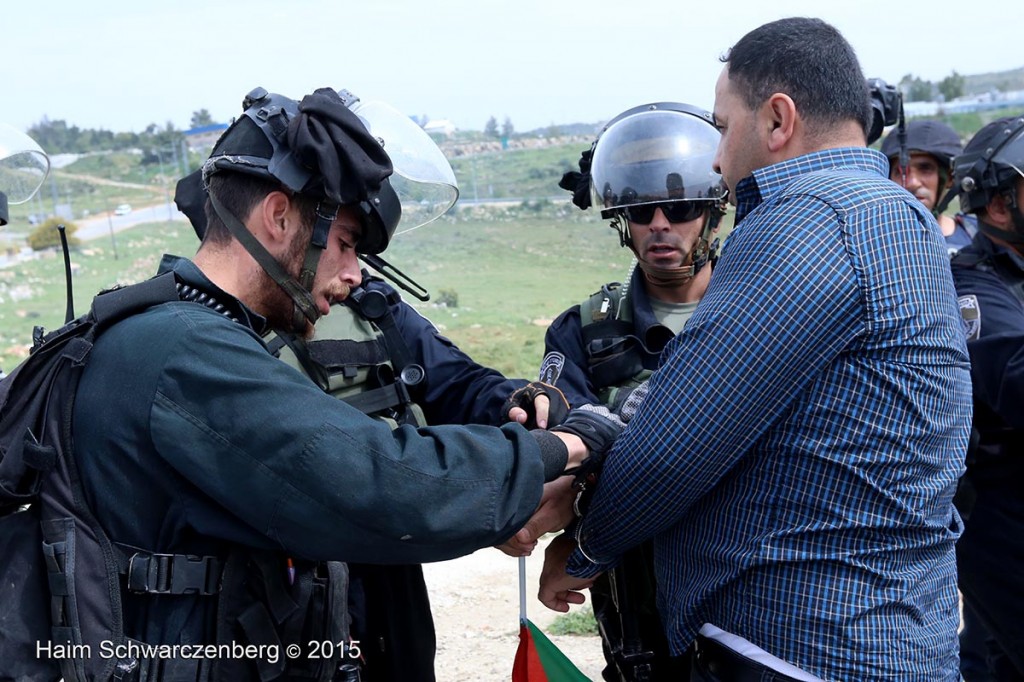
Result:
[[511, 272]]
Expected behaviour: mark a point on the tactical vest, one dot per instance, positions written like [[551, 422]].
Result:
[[367, 364], [364, 363], [615, 355]]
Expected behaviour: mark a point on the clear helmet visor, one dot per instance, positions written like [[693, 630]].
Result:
[[423, 178], [23, 165], [655, 156]]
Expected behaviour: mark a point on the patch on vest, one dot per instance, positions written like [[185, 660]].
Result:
[[551, 367], [970, 311]]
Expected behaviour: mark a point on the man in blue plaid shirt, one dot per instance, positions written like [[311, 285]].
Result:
[[796, 455]]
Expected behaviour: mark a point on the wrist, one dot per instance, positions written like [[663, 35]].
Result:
[[576, 450], [554, 453]]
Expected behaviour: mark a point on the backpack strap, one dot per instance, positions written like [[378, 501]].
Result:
[[115, 305]]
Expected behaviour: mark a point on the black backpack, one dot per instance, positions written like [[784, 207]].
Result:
[[61, 576], [42, 509]]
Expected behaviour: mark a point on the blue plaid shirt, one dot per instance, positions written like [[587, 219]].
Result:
[[796, 458]]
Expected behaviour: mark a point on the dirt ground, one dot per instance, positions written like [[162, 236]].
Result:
[[475, 601]]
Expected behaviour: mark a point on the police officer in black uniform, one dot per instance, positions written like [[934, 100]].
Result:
[[927, 172], [650, 173], [230, 483], [379, 355], [989, 278]]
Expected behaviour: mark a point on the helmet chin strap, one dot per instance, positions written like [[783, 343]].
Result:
[[670, 278], [305, 309]]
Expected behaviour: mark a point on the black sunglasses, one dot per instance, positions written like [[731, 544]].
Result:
[[675, 211]]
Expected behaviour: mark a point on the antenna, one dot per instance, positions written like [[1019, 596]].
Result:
[[70, 311]]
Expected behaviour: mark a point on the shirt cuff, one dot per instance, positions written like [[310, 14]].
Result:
[[580, 564]]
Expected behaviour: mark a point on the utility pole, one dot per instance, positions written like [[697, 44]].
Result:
[[184, 158], [163, 180]]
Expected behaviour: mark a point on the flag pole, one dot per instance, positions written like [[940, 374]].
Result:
[[522, 589]]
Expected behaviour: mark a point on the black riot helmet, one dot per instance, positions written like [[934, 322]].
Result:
[[659, 155], [926, 136], [316, 148], [991, 164]]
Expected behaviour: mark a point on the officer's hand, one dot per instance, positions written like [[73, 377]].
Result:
[[554, 513], [627, 404], [558, 589], [595, 425], [536, 406], [541, 405]]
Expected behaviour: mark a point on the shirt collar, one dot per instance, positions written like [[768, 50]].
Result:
[[653, 333], [764, 183], [995, 251], [188, 273]]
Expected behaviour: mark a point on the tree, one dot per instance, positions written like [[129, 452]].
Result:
[[915, 89], [491, 129], [201, 118], [506, 128], [952, 86], [46, 235]]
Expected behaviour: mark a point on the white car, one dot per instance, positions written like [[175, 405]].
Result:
[[123, 209]]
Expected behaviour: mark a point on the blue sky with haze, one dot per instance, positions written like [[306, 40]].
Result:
[[122, 64]]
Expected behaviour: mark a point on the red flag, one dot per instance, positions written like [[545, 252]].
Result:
[[539, 660]]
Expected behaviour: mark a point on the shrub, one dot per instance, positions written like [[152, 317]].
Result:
[[577, 622], [448, 298], [46, 235]]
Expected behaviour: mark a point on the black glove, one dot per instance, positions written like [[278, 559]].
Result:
[[595, 425], [598, 428], [627, 403], [524, 397]]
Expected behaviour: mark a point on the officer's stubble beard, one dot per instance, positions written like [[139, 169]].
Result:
[[666, 276], [271, 301]]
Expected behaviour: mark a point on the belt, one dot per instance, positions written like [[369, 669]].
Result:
[[715, 662]]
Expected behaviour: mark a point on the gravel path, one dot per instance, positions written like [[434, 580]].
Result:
[[475, 600]]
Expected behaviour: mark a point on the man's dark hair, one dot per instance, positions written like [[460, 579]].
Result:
[[239, 193], [810, 61]]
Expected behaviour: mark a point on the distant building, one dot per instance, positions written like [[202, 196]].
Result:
[[441, 126], [202, 138]]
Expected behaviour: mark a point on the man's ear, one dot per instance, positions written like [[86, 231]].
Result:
[[273, 213], [998, 211], [779, 117]]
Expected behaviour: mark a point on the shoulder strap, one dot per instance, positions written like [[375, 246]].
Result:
[[115, 305], [602, 305]]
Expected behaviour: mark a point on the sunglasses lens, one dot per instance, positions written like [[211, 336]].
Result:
[[641, 215], [675, 212], [682, 211]]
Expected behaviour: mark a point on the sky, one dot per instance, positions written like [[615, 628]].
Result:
[[123, 64]]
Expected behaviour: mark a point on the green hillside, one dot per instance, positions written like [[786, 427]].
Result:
[[1003, 81], [506, 271]]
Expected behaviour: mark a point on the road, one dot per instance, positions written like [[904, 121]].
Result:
[[102, 226]]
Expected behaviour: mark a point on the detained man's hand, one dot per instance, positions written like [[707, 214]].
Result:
[[554, 513], [558, 589]]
